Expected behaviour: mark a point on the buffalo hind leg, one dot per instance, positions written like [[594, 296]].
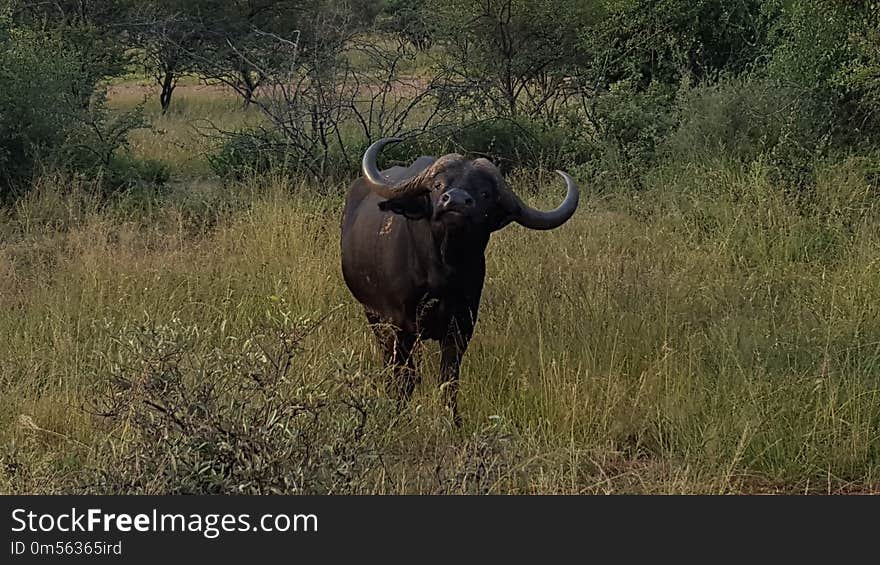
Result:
[[397, 351]]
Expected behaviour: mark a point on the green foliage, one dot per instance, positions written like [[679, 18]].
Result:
[[125, 171], [248, 152], [51, 116], [736, 119], [593, 86], [509, 142], [667, 41], [98, 143], [804, 106], [631, 125], [91, 31], [37, 74], [810, 42], [827, 50], [240, 43], [862, 74]]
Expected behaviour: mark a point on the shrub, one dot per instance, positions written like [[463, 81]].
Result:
[[253, 417], [245, 419], [735, 119], [830, 53], [753, 118], [409, 20], [505, 57], [45, 123], [35, 103], [129, 172], [620, 137], [248, 152], [668, 41]]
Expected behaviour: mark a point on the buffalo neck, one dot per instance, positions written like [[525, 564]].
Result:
[[459, 249]]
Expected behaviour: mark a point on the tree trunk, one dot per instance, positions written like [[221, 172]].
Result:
[[248, 96], [248, 86], [169, 83]]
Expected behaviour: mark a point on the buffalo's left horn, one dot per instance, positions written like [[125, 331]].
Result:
[[538, 220]]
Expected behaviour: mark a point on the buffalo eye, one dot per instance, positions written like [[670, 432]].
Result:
[[485, 194], [438, 185]]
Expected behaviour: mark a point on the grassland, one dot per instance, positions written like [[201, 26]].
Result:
[[709, 333]]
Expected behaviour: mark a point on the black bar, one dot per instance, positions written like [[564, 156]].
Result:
[[458, 528]]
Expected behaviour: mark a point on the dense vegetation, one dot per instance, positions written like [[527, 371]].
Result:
[[172, 318]]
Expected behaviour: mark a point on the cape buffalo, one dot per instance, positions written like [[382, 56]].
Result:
[[413, 252]]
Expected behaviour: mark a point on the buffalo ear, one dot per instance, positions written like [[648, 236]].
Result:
[[500, 217], [413, 208], [500, 222]]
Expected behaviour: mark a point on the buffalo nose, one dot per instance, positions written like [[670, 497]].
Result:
[[456, 198]]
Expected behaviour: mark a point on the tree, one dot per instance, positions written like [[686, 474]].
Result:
[[238, 33], [510, 55], [410, 21], [326, 87], [166, 34], [92, 31], [862, 74], [828, 53]]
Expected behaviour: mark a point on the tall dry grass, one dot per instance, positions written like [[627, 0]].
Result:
[[711, 333], [707, 337]]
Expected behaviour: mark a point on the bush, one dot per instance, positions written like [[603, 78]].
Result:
[[830, 53], [252, 417], [248, 152], [235, 422], [753, 118], [97, 145], [409, 21], [862, 76], [125, 172], [508, 58], [670, 41], [735, 119], [45, 123], [35, 103], [621, 137], [509, 143]]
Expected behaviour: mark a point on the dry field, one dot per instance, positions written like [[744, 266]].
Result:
[[705, 334]]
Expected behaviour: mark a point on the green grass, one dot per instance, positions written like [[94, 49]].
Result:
[[708, 334]]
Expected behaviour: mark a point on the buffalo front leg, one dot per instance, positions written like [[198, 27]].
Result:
[[400, 358], [397, 351], [452, 348]]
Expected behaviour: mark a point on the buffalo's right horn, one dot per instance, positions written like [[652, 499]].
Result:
[[368, 163], [382, 185]]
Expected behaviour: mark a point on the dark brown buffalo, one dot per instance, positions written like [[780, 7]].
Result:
[[413, 252]]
